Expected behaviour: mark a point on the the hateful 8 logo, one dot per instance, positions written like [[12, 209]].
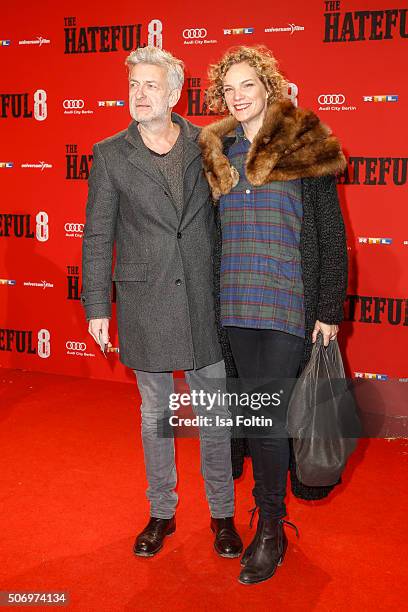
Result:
[[20, 226], [24, 105], [77, 165], [108, 38], [363, 25], [24, 341]]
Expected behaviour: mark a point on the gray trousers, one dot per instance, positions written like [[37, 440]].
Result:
[[215, 442]]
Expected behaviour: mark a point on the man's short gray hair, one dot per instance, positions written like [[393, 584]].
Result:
[[159, 57]]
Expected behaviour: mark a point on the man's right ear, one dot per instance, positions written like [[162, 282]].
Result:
[[174, 97]]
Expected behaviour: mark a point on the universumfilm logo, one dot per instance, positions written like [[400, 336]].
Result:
[[39, 40], [41, 165], [41, 284], [291, 28]]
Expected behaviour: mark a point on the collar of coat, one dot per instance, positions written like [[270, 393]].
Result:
[[292, 143]]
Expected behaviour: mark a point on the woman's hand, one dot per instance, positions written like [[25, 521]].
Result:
[[329, 332]]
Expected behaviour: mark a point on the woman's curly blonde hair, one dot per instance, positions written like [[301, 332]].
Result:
[[260, 58]]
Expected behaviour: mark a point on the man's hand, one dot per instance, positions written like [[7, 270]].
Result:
[[97, 325], [329, 332]]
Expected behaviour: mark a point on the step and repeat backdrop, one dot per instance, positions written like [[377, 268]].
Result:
[[64, 87]]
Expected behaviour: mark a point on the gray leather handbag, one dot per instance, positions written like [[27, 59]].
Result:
[[322, 417]]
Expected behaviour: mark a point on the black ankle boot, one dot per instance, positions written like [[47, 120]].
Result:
[[269, 550], [250, 549]]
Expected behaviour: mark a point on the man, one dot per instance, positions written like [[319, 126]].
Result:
[[148, 196]]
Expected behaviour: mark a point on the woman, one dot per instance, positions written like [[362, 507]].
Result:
[[284, 259]]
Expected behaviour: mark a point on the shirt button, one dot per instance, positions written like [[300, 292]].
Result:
[[178, 235], [178, 281], [247, 191]]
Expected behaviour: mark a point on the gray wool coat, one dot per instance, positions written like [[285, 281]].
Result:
[[163, 268]]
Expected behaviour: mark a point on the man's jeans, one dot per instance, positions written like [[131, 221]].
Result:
[[215, 442]]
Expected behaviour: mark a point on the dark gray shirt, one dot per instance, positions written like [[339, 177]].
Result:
[[171, 166]]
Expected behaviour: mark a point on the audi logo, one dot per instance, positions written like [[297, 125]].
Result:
[[197, 33], [74, 227], [73, 104], [75, 346], [331, 99]]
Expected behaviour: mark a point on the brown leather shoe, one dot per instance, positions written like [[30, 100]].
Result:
[[150, 540], [227, 542]]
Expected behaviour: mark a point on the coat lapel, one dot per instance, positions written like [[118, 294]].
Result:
[[141, 158], [191, 173], [191, 152]]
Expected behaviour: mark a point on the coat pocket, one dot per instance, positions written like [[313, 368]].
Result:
[[130, 272]]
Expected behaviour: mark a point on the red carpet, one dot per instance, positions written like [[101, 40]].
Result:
[[73, 501]]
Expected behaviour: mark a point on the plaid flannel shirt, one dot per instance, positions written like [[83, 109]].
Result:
[[261, 274]]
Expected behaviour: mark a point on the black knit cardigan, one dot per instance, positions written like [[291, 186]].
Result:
[[324, 270]]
